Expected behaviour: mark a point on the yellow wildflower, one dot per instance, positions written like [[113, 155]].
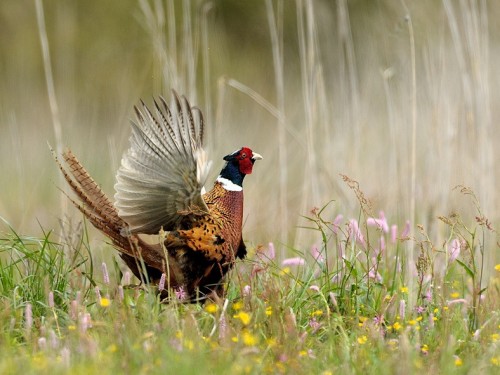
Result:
[[418, 364], [458, 361], [494, 337], [40, 361], [419, 318], [234, 339], [317, 313], [302, 353], [281, 369], [412, 322], [248, 338], [271, 341], [243, 316], [104, 302], [269, 310], [393, 344], [424, 349], [495, 361], [497, 267], [397, 326], [362, 340], [403, 289], [189, 344], [285, 271], [237, 305], [211, 308], [455, 295]]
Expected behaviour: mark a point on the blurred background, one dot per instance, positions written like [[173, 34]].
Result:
[[400, 96]]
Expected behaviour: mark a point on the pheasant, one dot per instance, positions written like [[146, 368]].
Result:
[[159, 191]]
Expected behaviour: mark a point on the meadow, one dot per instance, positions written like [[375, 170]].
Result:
[[371, 222]]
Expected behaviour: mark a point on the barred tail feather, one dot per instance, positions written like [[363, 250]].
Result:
[[101, 213]]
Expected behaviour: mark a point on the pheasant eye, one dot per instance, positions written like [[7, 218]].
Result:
[[243, 156]]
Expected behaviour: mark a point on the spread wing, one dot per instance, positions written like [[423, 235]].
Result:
[[161, 175]]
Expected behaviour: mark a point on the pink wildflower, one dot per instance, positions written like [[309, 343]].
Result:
[[297, 261], [394, 233], [375, 276], [120, 293], [353, 229], [431, 320], [382, 243], [378, 320], [454, 250], [54, 341], [98, 294], [455, 301], [336, 223], [380, 223], [84, 322], [51, 299], [428, 295], [161, 284], [180, 293], [105, 274], [73, 312], [333, 299], [28, 316], [271, 253], [126, 278], [314, 324], [315, 288], [406, 230], [420, 309], [78, 297], [316, 254], [65, 356], [247, 290], [222, 326], [42, 343], [402, 309], [268, 254]]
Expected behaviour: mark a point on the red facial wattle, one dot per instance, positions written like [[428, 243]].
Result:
[[245, 160]]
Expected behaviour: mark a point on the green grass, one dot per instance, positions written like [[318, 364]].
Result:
[[344, 306]]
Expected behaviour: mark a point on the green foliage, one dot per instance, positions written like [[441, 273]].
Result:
[[343, 307]]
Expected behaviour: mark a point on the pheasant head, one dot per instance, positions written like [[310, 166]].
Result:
[[239, 164]]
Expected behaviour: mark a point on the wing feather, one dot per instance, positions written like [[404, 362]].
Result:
[[161, 175]]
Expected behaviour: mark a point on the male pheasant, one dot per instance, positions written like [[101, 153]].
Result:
[[159, 191]]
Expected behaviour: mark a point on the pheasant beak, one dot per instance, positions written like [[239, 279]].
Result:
[[256, 156]]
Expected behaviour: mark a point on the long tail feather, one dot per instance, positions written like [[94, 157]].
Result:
[[101, 213]]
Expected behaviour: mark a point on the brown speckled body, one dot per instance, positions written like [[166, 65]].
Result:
[[202, 254]]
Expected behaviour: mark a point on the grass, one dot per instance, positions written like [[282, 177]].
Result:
[[341, 306]]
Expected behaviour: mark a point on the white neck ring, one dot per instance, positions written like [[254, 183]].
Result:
[[228, 184]]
